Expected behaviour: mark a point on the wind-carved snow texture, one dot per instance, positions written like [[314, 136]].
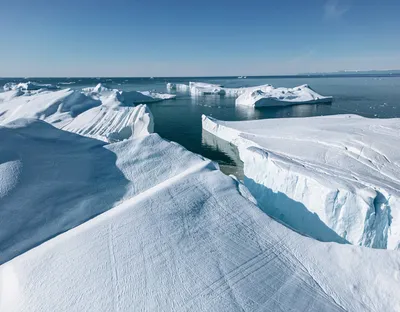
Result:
[[334, 178], [97, 112], [144, 224], [258, 96]]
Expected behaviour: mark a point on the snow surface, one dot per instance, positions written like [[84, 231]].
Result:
[[270, 96], [96, 112], [154, 227], [329, 177]]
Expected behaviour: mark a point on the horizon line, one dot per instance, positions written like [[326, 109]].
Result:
[[336, 73]]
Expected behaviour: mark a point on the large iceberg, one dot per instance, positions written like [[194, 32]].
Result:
[[128, 97], [177, 87], [28, 86], [202, 88], [144, 224], [158, 96], [264, 95], [270, 96], [96, 112], [328, 177]]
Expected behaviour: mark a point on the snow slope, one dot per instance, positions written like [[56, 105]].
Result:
[[324, 176], [172, 233], [97, 112], [113, 124]]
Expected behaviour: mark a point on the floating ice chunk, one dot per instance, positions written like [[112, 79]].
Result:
[[197, 88], [281, 96], [28, 86], [264, 95], [142, 97], [235, 92], [201, 88], [158, 96], [178, 87], [324, 176], [146, 224]]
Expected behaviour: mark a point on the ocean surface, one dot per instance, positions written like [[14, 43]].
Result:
[[179, 120]]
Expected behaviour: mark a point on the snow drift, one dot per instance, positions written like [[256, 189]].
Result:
[[97, 112], [324, 176], [145, 223]]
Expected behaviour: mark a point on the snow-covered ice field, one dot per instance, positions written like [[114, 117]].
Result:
[[99, 112], [153, 226], [341, 172], [97, 213]]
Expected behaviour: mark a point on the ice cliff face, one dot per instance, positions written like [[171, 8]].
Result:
[[144, 223], [333, 178]]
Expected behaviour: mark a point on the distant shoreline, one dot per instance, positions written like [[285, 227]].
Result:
[[328, 75]]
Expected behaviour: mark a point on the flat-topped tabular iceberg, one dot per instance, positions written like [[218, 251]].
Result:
[[270, 96], [257, 96], [178, 87], [144, 224], [202, 88], [324, 176], [197, 88], [159, 96], [97, 112], [128, 97]]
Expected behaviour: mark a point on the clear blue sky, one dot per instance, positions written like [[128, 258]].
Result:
[[189, 38]]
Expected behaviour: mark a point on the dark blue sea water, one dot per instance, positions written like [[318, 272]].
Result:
[[180, 120]]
